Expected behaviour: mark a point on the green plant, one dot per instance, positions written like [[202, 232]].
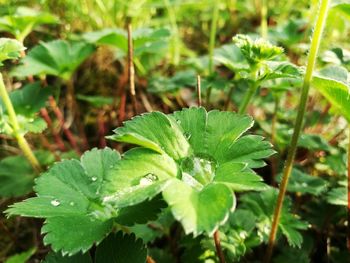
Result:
[[315, 42], [179, 153]]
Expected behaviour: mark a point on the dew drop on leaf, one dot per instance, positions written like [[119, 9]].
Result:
[[187, 135], [148, 179], [55, 202], [178, 121], [71, 203], [94, 178]]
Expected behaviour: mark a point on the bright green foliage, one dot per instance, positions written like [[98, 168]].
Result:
[[17, 180], [26, 101], [68, 206], [258, 50], [231, 57], [21, 257], [58, 58], [262, 205], [149, 45], [10, 49], [121, 248], [332, 82], [193, 163], [21, 22], [300, 182]]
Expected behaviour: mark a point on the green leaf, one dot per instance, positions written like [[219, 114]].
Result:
[[70, 206], [154, 131], [257, 50], [238, 177], [214, 160], [17, 180], [333, 84], [199, 211], [96, 101], [121, 248], [59, 258], [338, 196], [10, 49], [141, 175], [58, 58], [231, 57], [262, 205], [21, 22], [300, 182], [21, 257]]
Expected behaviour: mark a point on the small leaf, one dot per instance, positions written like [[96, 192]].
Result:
[[332, 82], [303, 183], [96, 101], [10, 49], [121, 248], [199, 211], [338, 196], [21, 257]]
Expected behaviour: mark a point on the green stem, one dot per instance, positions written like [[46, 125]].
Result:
[[263, 25], [212, 37], [248, 97], [175, 31], [315, 43], [22, 142]]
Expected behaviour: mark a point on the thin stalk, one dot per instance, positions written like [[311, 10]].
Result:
[[175, 30], [199, 97], [212, 37], [22, 142], [315, 43], [248, 97], [219, 251], [131, 69], [263, 24], [348, 241], [272, 140]]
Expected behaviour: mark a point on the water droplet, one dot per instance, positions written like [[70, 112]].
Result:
[[55, 202], [94, 178], [187, 135], [304, 184], [148, 179], [178, 121], [71, 203]]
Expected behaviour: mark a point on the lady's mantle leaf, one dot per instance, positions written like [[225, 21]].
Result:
[[122, 249], [58, 58], [199, 211], [261, 204], [140, 175], [332, 82], [195, 158], [66, 196]]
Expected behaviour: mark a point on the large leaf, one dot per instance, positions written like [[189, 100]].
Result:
[[192, 162], [58, 58], [332, 82], [121, 248], [10, 49], [66, 196]]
